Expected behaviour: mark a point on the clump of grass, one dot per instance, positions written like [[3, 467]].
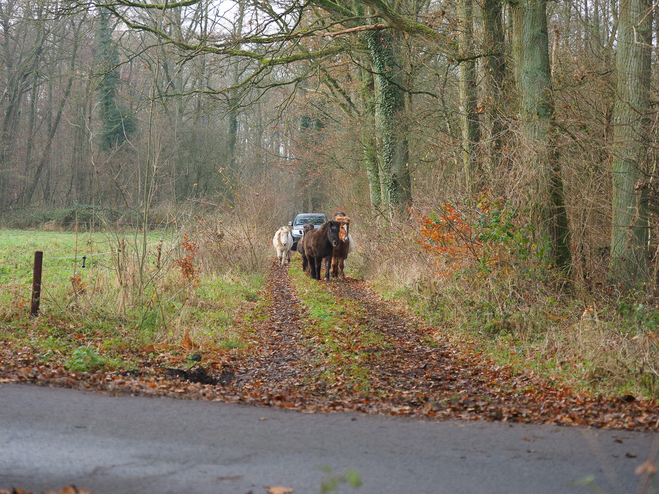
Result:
[[86, 359]]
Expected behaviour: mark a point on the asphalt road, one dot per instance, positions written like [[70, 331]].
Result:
[[50, 438]]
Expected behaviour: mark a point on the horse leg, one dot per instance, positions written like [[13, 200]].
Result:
[[315, 264], [328, 260], [312, 267], [335, 267], [319, 267]]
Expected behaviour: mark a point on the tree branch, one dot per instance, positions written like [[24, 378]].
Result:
[[397, 21], [372, 27], [146, 6]]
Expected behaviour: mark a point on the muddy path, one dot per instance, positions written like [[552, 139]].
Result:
[[405, 368]]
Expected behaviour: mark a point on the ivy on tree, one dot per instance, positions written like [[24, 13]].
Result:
[[118, 121]]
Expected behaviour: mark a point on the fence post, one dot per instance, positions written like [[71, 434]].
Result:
[[36, 283]]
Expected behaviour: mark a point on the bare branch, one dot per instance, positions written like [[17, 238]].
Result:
[[148, 6]]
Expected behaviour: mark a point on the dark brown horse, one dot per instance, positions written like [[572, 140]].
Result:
[[318, 247], [300, 246]]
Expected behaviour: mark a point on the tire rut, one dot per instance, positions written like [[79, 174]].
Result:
[[280, 362]]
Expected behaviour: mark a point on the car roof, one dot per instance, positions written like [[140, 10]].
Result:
[[310, 215], [314, 218]]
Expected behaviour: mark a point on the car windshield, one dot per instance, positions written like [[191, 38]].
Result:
[[313, 219]]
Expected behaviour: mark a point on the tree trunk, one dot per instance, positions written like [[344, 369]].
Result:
[[234, 97], [538, 131], [368, 139], [630, 228], [517, 42], [495, 75], [468, 97], [395, 183]]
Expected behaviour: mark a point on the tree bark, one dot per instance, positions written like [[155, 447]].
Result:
[[539, 130], [630, 226], [468, 97]]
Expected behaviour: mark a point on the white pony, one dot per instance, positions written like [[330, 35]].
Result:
[[282, 242]]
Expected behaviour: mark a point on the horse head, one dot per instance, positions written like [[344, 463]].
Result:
[[333, 232], [345, 225]]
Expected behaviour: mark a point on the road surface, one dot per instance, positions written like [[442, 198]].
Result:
[[50, 438]]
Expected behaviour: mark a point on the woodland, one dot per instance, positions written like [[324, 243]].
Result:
[[497, 158]]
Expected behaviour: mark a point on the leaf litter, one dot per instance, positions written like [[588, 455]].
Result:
[[373, 358]]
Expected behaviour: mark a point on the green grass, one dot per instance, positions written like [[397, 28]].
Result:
[[111, 315], [339, 336]]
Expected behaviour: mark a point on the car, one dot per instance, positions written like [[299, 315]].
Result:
[[316, 219]]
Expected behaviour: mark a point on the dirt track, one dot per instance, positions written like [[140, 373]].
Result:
[[413, 374]]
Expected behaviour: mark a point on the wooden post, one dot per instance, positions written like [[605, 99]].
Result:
[[36, 283], [159, 254]]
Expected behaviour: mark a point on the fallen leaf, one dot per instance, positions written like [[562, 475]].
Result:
[[280, 490], [646, 468], [187, 343]]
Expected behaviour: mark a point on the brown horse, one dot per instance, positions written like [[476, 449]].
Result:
[[341, 251], [318, 247]]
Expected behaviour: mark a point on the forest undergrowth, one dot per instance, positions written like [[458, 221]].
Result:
[[476, 272]]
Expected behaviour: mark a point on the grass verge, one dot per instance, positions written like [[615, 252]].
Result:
[[123, 303], [603, 341]]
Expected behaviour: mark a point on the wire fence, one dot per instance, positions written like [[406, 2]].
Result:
[[88, 255], [84, 257]]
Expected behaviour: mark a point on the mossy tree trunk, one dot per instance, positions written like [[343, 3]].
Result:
[[367, 95], [534, 72], [394, 175]]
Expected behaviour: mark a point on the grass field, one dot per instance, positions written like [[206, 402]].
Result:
[[127, 295]]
